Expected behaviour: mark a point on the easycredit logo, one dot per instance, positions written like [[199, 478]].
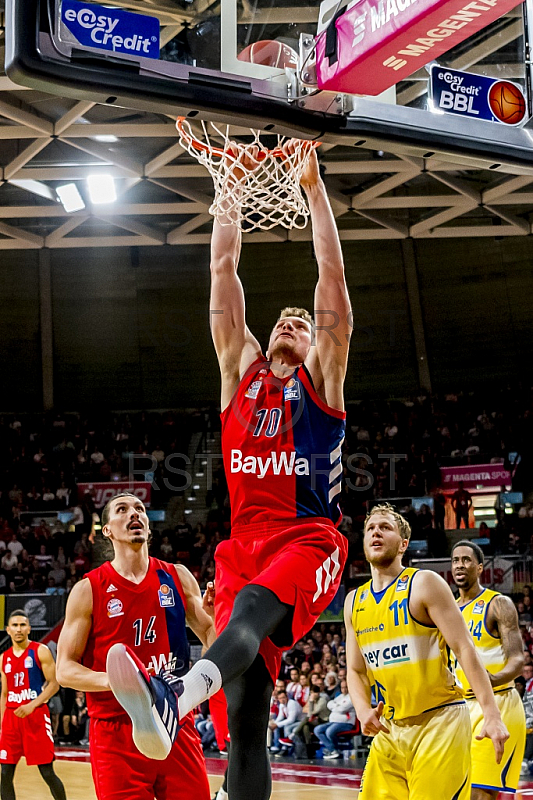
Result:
[[111, 29]]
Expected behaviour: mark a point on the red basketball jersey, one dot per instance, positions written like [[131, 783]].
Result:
[[282, 448], [149, 617], [24, 675]]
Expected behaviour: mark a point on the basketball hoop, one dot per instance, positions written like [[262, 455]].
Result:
[[257, 197]]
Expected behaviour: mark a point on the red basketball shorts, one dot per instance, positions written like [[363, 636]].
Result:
[[30, 737], [121, 772], [300, 561]]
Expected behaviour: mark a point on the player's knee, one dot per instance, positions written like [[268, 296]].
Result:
[[8, 772], [47, 771], [258, 609]]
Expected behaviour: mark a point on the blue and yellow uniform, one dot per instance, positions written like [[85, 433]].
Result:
[[486, 773], [427, 752]]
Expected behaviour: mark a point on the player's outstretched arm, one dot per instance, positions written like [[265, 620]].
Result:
[[432, 602], [503, 611], [333, 312], [357, 679], [73, 641], [235, 346], [196, 616]]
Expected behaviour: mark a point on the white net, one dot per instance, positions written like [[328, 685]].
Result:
[[258, 194]]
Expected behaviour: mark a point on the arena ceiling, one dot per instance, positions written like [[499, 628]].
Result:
[[164, 196]]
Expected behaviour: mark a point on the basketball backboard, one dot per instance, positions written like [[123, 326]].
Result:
[[199, 58]]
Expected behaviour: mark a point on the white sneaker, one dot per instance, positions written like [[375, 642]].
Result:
[[333, 754], [221, 795]]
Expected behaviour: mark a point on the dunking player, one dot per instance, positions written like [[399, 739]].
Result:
[[493, 622], [145, 603], [28, 682], [399, 627], [283, 426]]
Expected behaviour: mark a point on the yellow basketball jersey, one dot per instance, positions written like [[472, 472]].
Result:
[[489, 647], [408, 663]]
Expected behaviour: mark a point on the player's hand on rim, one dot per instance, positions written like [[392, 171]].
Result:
[[495, 730], [243, 160], [311, 174], [371, 723]]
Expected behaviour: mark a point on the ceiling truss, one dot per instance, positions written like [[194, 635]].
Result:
[[164, 196]]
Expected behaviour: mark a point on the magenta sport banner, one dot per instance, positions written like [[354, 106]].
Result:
[[369, 45], [475, 476], [103, 492]]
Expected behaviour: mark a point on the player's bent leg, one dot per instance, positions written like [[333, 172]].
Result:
[[248, 699], [54, 783], [149, 700], [488, 777], [7, 788], [440, 748], [257, 613]]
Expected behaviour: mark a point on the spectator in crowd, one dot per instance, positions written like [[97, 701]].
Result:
[[316, 713], [461, 504], [9, 562], [294, 681], [289, 715], [15, 546], [341, 718], [166, 549], [331, 685], [79, 720]]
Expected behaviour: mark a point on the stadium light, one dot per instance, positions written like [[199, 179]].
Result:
[[70, 197], [101, 189]]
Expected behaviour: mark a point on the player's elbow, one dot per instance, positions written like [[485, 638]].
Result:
[[63, 675]]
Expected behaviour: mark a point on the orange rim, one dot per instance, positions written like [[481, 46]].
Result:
[[198, 145]]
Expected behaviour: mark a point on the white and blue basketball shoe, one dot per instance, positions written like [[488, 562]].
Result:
[[150, 701]]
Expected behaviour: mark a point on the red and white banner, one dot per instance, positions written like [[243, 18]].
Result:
[[373, 44], [475, 475], [103, 492]]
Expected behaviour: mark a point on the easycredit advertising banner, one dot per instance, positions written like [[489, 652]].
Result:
[[370, 45], [103, 492], [112, 29], [475, 475]]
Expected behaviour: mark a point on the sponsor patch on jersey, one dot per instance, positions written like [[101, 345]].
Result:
[[401, 586], [291, 390], [166, 596], [479, 607], [111, 588], [28, 662], [114, 608], [253, 390], [3, 755], [364, 595], [7, 668]]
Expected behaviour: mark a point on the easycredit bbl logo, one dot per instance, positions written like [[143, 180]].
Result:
[[477, 96], [110, 29]]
